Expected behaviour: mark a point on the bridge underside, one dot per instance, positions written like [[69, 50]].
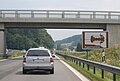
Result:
[[56, 25]]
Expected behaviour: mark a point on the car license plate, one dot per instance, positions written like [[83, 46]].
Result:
[[39, 60]]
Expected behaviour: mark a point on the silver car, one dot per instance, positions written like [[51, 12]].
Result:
[[38, 59]]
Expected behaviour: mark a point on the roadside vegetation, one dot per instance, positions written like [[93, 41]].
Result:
[[89, 74], [20, 39], [112, 56], [1, 58], [17, 53]]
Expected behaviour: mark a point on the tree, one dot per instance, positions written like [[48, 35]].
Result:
[[79, 47], [71, 48], [28, 38], [59, 47]]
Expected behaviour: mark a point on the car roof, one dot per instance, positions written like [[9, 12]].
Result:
[[40, 48]]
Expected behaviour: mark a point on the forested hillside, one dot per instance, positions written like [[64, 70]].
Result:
[[28, 38], [74, 40], [70, 42]]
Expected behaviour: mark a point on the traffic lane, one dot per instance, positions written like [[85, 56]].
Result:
[[10, 60], [62, 73], [9, 66]]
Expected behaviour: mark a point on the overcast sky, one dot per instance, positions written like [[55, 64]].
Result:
[[61, 4], [109, 5]]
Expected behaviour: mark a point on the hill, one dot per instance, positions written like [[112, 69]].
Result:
[[70, 41], [28, 38]]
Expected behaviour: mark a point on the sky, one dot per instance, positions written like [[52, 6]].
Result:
[[59, 34], [97, 5]]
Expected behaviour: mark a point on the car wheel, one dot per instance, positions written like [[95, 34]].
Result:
[[52, 71], [24, 71]]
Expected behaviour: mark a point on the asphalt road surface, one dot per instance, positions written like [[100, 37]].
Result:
[[11, 70]]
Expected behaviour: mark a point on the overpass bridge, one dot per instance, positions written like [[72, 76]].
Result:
[[60, 19]]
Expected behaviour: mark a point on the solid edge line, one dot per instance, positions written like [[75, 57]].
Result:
[[11, 58], [16, 57], [3, 60], [79, 75]]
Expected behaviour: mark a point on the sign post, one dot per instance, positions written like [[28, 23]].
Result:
[[96, 40], [103, 56]]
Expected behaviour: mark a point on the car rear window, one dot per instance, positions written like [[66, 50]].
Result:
[[38, 53]]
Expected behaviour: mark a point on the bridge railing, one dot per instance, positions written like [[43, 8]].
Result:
[[59, 14], [104, 67]]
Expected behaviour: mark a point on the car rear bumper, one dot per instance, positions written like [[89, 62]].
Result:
[[38, 67]]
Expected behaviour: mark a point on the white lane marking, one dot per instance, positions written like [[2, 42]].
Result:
[[11, 58], [16, 57], [3, 60], [80, 76]]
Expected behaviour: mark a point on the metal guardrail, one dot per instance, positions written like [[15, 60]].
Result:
[[59, 14], [112, 69]]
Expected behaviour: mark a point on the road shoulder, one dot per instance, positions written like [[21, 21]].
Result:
[[78, 74]]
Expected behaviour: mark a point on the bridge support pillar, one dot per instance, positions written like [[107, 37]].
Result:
[[114, 34], [2, 40]]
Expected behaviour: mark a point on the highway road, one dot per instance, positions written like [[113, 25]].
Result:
[[11, 70]]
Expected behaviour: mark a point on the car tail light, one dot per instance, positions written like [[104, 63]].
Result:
[[24, 59], [51, 60]]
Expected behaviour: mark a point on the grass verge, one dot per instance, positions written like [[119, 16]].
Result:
[[16, 55], [1, 58]]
